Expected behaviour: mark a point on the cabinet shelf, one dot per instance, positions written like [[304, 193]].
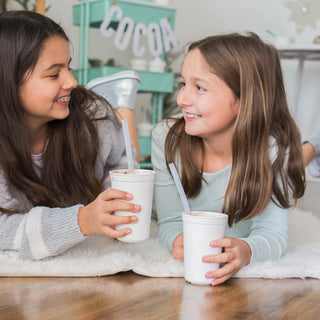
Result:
[[155, 82], [90, 14], [138, 11]]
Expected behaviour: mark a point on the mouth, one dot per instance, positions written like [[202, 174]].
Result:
[[64, 99], [192, 116]]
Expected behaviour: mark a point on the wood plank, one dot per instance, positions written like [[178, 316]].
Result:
[[130, 296]]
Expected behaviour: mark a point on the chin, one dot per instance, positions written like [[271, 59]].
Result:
[[62, 115], [191, 131]]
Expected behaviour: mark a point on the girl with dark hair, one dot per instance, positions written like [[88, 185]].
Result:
[[58, 142], [236, 147]]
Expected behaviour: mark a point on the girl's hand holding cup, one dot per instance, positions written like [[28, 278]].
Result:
[[236, 254], [97, 217]]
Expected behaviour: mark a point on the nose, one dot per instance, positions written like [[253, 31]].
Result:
[[70, 82], [184, 97]]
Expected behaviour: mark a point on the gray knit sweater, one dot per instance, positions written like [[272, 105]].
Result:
[[41, 232]]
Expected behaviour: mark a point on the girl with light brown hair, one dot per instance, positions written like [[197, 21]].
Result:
[[236, 147]]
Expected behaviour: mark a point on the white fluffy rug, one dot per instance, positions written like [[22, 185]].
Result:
[[99, 256]]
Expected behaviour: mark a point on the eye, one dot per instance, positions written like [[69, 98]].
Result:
[[182, 84], [200, 88], [54, 76]]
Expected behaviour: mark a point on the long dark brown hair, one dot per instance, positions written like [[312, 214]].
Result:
[[252, 70], [68, 176]]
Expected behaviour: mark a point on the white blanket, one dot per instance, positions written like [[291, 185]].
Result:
[[100, 256]]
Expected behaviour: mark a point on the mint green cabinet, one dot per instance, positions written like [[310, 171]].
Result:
[[90, 14]]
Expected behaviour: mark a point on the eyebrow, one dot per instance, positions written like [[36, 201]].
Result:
[[196, 79], [200, 79], [57, 65]]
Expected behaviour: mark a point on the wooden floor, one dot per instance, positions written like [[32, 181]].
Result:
[[130, 296]]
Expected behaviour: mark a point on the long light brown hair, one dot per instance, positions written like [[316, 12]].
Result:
[[252, 70], [68, 176]]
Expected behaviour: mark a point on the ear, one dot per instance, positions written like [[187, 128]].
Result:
[[236, 106]]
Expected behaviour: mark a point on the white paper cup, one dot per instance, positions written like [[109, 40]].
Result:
[[139, 64], [140, 184], [157, 65], [198, 231]]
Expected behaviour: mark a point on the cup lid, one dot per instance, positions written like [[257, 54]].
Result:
[[205, 217]]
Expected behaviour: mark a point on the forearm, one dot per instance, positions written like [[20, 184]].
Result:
[[307, 153], [266, 247], [128, 114], [168, 204], [268, 236], [169, 212], [168, 231], [41, 233]]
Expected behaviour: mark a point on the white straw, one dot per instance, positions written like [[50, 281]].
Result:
[[127, 142], [177, 181]]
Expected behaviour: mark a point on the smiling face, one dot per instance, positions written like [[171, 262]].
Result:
[[45, 93], [208, 104]]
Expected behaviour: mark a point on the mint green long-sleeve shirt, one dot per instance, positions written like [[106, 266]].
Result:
[[266, 233]]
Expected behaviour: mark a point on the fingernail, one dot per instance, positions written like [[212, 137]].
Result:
[[208, 275], [134, 218], [205, 259], [136, 207], [213, 243], [214, 282], [128, 231], [128, 195]]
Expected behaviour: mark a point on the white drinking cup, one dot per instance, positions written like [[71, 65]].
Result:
[[199, 228], [140, 183], [139, 64]]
